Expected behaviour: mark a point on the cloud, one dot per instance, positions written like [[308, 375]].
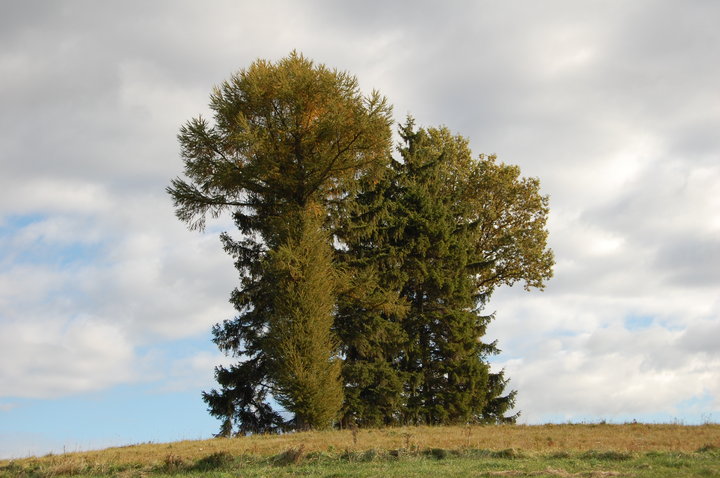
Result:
[[612, 373], [49, 358], [80, 293], [615, 109], [195, 372], [580, 356]]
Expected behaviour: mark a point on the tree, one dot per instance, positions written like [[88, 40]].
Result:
[[442, 231], [362, 278], [370, 311], [301, 342], [289, 140]]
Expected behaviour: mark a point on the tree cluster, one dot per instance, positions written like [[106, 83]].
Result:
[[362, 276]]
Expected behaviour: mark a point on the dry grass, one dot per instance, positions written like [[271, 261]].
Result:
[[554, 472], [536, 439]]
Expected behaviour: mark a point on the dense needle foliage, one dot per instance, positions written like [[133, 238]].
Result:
[[362, 277], [440, 232], [289, 139]]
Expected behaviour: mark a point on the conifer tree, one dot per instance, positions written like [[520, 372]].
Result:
[[370, 310], [301, 341], [287, 138], [442, 232], [388, 327]]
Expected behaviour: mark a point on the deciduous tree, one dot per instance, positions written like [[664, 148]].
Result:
[[288, 140], [441, 232]]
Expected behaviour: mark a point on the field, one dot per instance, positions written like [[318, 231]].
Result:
[[601, 450]]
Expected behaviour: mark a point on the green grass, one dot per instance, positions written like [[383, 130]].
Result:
[[435, 462], [644, 452]]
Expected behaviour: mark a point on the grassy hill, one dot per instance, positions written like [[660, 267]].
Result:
[[548, 450]]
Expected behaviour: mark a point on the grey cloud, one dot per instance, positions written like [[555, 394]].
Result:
[[611, 373], [75, 327], [44, 358], [667, 216], [690, 261], [612, 105], [702, 337], [100, 91]]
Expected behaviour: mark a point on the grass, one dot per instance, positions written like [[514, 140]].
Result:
[[481, 451]]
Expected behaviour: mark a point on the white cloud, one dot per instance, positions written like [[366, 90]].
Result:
[[53, 196], [195, 372], [74, 326], [617, 118], [612, 372], [579, 354], [50, 358]]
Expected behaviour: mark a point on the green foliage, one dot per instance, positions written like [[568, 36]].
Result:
[[284, 133], [434, 237], [301, 343], [286, 137], [362, 278]]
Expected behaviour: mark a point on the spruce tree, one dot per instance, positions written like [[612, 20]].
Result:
[[388, 328], [470, 226], [370, 309], [287, 138], [441, 233]]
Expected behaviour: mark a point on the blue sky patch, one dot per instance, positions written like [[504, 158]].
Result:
[[42, 250], [14, 222], [638, 322], [121, 415]]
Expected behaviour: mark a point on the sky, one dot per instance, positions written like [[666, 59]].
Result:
[[107, 300]]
